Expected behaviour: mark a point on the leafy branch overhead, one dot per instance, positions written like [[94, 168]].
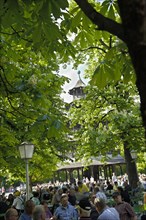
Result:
[[103, 23]]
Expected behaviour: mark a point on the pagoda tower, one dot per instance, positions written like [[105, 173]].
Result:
[[77, 91]]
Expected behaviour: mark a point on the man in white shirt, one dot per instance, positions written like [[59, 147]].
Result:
[[105, 212], [114, 178], [18, 202]]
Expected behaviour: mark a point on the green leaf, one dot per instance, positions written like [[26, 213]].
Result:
[[28, 2], [45, 11], [117, 72], [56, 8], [2, 8], [104, 8], [11, 14], [77, 19], [63, 4], [86, 22], [98, 78], [89, 38], [74, 10], [36, 35], [51, 31], [111, 13]]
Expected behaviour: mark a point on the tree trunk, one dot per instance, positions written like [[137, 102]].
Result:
[[131, 167], [133, 14]]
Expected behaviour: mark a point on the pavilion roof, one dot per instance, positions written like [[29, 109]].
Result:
[[94, 161]]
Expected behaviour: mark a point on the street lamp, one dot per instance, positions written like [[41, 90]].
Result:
[[134, 154], [26, 152]]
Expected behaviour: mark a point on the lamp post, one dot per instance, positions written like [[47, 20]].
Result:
[[26, 152]]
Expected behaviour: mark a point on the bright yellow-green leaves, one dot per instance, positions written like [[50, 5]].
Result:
[[31, 108]]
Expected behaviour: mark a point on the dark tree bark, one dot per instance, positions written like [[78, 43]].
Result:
[[130, 167], [133, 14]]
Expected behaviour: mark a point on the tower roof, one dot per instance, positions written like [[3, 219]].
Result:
[[79, 84]]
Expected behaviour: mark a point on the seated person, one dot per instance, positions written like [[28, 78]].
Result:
[[84, 207], [65, 211]]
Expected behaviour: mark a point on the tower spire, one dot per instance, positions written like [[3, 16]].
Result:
[[79, 72]]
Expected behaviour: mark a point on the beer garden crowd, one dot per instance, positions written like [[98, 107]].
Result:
[[84, 199]]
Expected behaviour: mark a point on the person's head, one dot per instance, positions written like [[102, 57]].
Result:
[[99, 204], [64, 200], [72, 191], [11, 214], [96, 189], [139, 183], [125, 183], [116, 183], [117, 197], [10, 196], [36, 194], [76, 189], [45, 204], [120, 189], [29, 207], [39, 213], [92, 197], [17, 193], [51, 188], [65, 189], [80, 183], [60, 191]]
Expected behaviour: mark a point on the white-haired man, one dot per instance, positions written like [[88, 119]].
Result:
[[39, 213], [105, 212]]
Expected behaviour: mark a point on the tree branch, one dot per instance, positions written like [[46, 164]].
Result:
[[94, 47], [103, 23], [104, 44], [11, 33], [5, 83], [9, 100], [17, 33]]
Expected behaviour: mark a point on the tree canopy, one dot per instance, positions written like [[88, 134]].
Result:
[[38, 36]]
